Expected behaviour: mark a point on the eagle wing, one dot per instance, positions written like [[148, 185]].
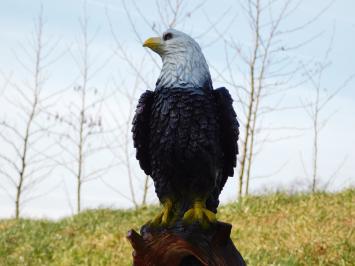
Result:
[[229, 127], [141, 130]]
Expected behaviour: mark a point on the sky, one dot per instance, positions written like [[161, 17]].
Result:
[[279, 165]]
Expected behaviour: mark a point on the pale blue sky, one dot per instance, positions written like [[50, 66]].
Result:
[[337, 140]]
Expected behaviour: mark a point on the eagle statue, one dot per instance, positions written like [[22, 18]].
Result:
[[185, 133]]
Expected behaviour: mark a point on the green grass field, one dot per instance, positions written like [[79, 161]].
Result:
[[268, 230]]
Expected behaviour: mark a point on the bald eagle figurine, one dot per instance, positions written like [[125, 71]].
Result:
[[185, 133]]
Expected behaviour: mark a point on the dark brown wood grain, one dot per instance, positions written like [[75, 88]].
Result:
[[185, 245]]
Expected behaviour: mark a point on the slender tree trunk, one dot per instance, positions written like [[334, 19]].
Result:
[[145, 190], [25, 145], [128, 156], [250, 159], [80, 150], [80, 163], [315, 160], [78, 206], [130, 176], [23, 163], [253, 126], [315, 143], [18, 197], [247, 135]]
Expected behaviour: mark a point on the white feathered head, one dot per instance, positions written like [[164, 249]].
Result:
[[184, 65]]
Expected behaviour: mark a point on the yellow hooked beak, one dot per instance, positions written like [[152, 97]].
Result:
[[154, 43]]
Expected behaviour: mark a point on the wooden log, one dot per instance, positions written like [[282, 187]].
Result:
[[185, 245]]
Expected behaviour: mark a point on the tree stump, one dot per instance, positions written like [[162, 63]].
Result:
[[184, 245]]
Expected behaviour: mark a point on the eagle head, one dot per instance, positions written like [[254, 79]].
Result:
[[184, 65]]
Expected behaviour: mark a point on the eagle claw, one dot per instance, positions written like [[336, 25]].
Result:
[[199, 213], [165, 216]]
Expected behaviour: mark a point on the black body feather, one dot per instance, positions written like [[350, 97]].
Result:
[[186, 140]]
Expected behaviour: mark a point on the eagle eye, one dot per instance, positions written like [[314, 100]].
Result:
[[167, 36]]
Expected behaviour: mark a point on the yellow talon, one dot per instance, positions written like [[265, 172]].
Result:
[[165, 216], [199, 213]]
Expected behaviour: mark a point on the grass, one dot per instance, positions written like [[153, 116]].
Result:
[[276, 229]]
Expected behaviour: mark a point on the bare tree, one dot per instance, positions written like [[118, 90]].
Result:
[[267, 69], [83, 140], [22, 132], [123, 148], [126, 102], [316, 106]]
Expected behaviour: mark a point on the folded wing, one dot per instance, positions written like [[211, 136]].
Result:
[[229, 132], [141, 131]]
